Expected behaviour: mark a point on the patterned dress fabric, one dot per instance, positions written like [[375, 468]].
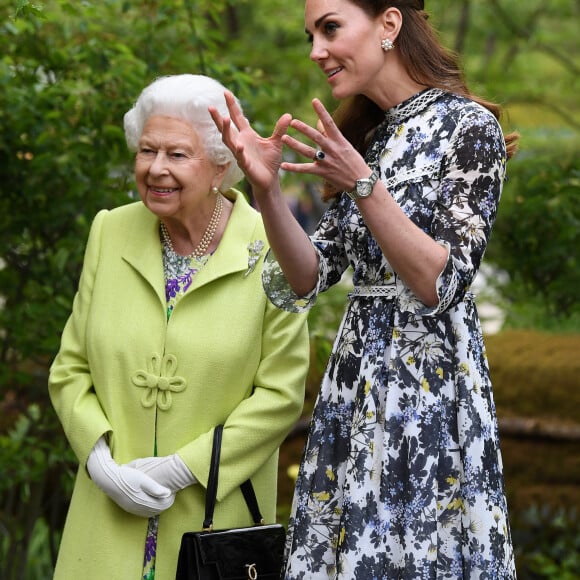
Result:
[[402, 476]]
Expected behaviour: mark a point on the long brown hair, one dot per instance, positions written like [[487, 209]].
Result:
[[427, 62]]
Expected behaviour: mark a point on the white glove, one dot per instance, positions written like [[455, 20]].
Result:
[[169, 471], [129, 488]]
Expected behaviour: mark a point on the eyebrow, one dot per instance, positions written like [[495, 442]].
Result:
[[319, 21]]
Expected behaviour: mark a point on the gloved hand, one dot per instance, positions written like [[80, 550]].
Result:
[[169, 471], [129, 488]]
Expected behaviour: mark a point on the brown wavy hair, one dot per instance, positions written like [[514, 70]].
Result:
[[427, 62]]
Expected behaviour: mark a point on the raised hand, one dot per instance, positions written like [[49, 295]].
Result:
[[258, 157], [342, 164]]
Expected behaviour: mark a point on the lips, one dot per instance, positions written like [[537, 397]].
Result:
[[333, 71], [162, 190]]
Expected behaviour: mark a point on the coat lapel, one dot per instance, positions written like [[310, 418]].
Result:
[[143, 250], [232, 254]]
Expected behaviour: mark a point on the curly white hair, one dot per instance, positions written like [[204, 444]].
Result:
[[186, 97]]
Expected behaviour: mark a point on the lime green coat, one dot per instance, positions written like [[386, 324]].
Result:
[[226, 355]]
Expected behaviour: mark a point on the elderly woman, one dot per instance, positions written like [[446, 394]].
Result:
[[170, 335]]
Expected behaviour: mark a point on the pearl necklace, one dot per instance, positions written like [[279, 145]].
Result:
[[206, 239]]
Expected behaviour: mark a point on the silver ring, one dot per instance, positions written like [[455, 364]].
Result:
[[319, 155]]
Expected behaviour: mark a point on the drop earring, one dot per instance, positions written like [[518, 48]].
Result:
[[387, 44]]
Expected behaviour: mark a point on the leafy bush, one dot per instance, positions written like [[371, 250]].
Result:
[[535, 238], [547, 543]]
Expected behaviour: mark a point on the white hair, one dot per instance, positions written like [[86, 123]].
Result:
[[186, 97]]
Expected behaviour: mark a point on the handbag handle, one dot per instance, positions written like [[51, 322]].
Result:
[[212, 485]]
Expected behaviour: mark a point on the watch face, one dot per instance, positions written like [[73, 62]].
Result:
[[363, 187]]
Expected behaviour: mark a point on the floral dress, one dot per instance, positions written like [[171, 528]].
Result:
[[178, 272], [401, 476]]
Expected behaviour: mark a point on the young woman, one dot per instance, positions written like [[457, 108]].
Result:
[[401, 476]]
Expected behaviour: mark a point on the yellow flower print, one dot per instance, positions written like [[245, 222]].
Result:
[[456, 504]]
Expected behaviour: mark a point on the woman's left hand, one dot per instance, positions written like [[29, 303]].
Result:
[[342, 164]]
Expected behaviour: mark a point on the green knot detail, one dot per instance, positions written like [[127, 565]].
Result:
[[159, 381]]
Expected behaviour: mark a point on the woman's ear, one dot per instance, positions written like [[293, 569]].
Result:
[[220, 173], [392, 20]]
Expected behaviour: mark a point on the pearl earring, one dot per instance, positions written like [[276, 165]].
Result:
[[215, 190], [387, 44]]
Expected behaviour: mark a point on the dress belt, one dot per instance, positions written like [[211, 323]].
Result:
[[373, 291]]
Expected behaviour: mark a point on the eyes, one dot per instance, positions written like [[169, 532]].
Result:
[[149, 153], [329, 28]]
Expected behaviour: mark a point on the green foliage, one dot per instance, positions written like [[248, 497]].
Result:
[[37, 470], [547, 543], [536, 236], [68, 72]]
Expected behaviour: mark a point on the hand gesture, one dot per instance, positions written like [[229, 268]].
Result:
[[340, 165], [258, 157]]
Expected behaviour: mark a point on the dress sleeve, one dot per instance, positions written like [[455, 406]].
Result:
[[473, 171], [332, 262], [70, 383]]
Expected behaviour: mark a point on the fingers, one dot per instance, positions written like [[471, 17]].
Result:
[[326, 124], [217, 118], [282, 125], [235, 111], [298, 146], [235, 114]]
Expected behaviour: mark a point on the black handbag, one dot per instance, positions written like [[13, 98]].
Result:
[[252, 553]]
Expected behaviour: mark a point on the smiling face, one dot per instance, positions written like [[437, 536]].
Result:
[[346, 44], [172, 171]]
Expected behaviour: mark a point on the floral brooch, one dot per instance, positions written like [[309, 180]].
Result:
[[254, 252]]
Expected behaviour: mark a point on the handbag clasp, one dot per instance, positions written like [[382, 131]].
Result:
[[252, 572]]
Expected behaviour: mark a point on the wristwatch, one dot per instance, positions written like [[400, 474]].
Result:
[[363, 187]]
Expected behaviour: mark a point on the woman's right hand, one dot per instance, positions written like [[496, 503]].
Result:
[[129, 488], [258, 157]]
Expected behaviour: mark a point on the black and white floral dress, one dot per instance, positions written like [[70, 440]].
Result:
[[401, 476]]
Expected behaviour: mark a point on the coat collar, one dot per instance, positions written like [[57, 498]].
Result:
[[143, 248]]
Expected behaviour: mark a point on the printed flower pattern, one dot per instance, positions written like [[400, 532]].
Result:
[[179, 272], [402, 476]]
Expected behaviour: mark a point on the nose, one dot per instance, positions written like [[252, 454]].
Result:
[[159, 164], [318, 51]]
